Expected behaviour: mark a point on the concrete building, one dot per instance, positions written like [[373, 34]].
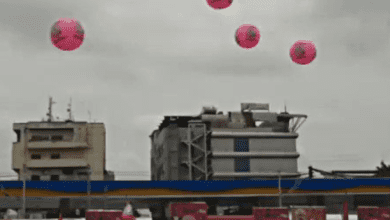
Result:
[[58, 150], [251, 144]]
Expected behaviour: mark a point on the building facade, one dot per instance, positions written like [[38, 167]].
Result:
[[60, 151], [251, 144]]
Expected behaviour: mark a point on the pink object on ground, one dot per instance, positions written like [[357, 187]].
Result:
[[128, 217]]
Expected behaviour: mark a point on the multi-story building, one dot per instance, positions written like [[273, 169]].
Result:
[[53, 150], [251, 144]]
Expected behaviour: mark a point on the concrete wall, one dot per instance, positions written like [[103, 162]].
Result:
[[256, 145], [96, 139], [165, 154]]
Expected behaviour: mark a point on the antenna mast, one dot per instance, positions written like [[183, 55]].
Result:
[[89, 113], [49, 114], [285, 106], [70, 109]]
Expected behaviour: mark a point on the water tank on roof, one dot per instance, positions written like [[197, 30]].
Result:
[[209, 110]]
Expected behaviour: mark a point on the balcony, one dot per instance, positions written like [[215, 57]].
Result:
[[56, 163], [55, 145]]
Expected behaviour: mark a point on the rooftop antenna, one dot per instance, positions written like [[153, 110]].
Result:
[[285, 107], [89, 113], [49, 114], [70, 109]]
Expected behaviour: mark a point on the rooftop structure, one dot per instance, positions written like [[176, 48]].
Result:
[[251, 144]]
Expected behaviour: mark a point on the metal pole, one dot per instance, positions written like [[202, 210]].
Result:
[[24, 192], [89, 187], [280, 191], [24, 173], [345, 209], [104, 201]]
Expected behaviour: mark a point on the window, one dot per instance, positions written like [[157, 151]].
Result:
[[35, 178], [241, 145], [35, 156], [68, 171], [51, 134], [39, 138], [17, 135], [54, 177], [370, 200], [56, 138], [242, 164], [55, 156]]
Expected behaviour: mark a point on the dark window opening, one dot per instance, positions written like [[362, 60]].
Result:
[[370, 200], [54, 177], [68, 171], [56, 138], [55, 156], [35, 178], [17, 135], [242, 178], [241, 145], [39, 138], [35, 156], [242, 164]]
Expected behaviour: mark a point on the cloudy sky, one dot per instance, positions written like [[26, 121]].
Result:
[[142, 60]]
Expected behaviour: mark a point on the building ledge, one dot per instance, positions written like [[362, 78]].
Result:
[[56, 145], [240, 134], [56, 163], [255, 154], [254, 174]]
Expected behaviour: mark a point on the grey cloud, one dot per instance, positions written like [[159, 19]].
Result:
[[341, 8], [360, 27], [29, 23]]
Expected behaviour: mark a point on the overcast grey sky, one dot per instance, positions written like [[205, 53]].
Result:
[[142, 60]]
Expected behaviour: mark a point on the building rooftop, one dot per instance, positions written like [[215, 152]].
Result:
[[246, 118]]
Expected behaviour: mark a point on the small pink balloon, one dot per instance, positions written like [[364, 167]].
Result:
[[247, 36], [219, 4], [67, 34], [303, 52]]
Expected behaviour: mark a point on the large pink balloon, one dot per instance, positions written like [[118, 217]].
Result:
[[247, 36], [67, 34], [219, 4], [303, 52]]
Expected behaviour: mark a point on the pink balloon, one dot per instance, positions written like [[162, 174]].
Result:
[[303, 52], [247, 36], [67, 34], [219, 4]]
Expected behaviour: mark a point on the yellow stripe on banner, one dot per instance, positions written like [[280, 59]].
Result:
[[169, 192]]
